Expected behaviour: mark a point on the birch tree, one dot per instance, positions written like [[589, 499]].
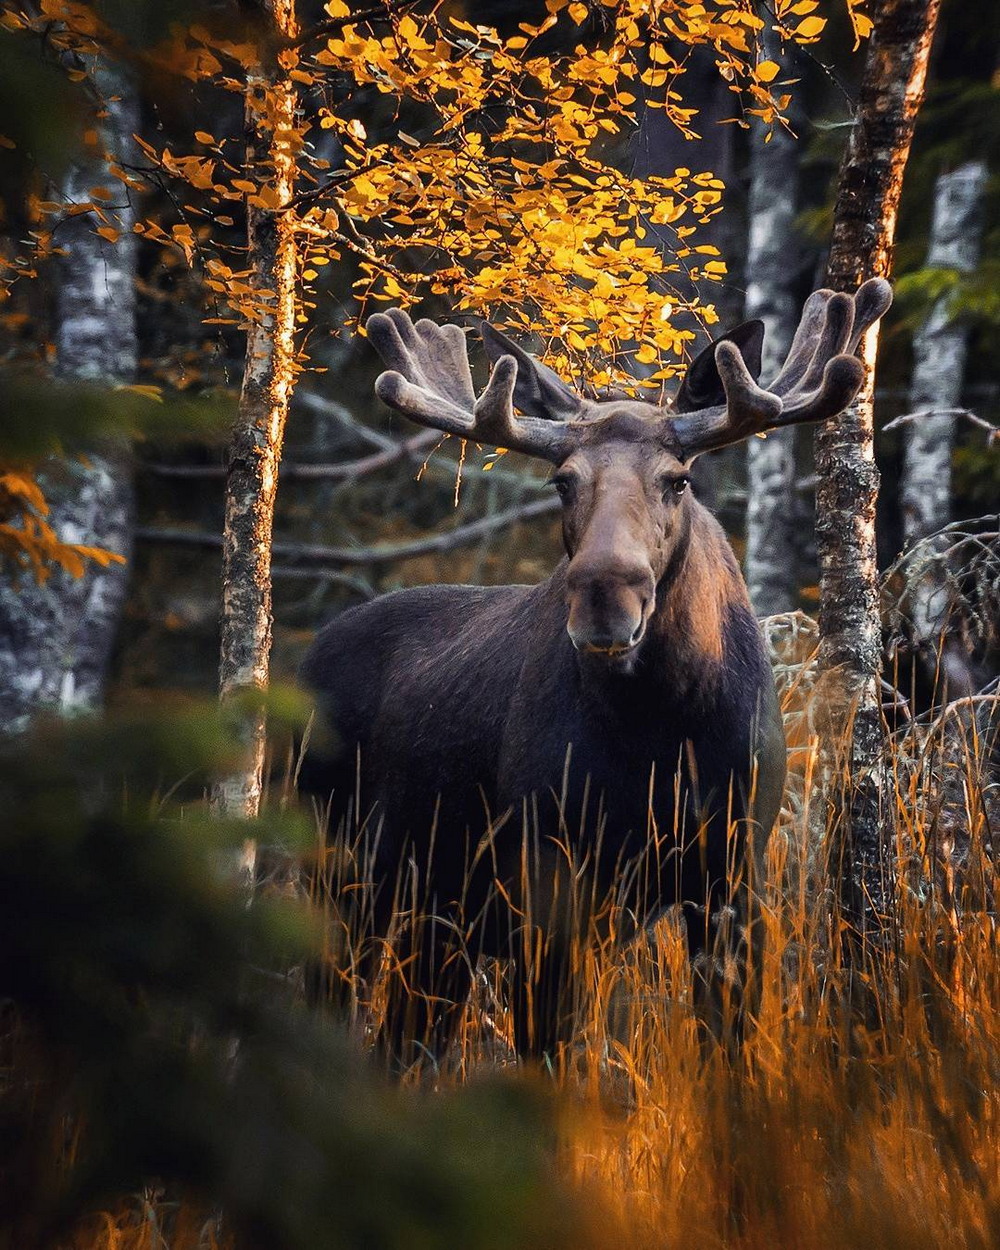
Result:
[[939, 348], [56, 635], [272, 141], [770, 295], [869, 186]]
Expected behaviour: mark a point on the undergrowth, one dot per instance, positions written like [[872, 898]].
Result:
[[860, 1107]]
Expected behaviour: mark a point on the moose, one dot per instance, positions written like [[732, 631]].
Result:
[[521, 755]]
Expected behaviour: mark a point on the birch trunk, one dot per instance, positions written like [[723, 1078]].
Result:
[[870, 182], [770, 295], [56, 639], [939, 355], [255, 446]]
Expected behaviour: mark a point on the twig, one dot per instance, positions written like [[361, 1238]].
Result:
[[360, 585], [383, 554], [330, 408], [992, 431]]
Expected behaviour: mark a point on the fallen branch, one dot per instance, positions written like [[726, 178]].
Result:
[[383, 554]]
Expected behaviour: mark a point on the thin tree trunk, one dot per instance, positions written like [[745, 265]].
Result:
[[939, 348], [56, 639], [939, 355], [255, 447], [870, 182], [770, 295]]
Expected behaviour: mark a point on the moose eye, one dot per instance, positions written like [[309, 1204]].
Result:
[[676, 486], [563, 486]]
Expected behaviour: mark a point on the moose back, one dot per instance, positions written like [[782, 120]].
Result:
[[518, 764]]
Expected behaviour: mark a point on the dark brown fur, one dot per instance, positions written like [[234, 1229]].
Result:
[[523, 757], [465, 702]]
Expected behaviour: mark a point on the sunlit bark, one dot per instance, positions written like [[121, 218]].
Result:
[[870, 182], [255, 449]]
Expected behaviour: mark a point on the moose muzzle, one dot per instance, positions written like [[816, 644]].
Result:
[[609, 605]]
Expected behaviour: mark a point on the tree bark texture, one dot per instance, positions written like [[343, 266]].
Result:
[[770, 295], [869, 186], [255, 446], [56, 639], [939, 355]]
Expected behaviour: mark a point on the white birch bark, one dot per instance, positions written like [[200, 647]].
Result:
[[770, 271], [258, 434], [56, 639], [939, 348]]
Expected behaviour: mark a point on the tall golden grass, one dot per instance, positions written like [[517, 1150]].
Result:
[[861, 1107]]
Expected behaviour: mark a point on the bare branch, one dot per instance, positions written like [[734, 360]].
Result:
[[391, 454], [383, 554], [907, 418]]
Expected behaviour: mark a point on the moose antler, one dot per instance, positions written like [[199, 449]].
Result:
[[820, 377], [430, 382]]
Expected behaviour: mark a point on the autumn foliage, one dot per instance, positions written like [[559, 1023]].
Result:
[[432, 157]]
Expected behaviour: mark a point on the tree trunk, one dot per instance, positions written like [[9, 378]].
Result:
[[939, 355], [56, 639], [870, 182], [268, 378], [770, 295]]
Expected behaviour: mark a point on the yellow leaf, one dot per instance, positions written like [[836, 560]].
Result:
[[810, 27], [110, 233], [767, 71], [149, 392], [204, 137]]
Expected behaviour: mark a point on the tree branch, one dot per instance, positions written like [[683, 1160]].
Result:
[[350, 470], [383, 554], [907, 418]]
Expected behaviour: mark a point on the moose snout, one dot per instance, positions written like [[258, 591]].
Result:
[[608, 607]]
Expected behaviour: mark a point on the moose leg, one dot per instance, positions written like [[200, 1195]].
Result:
[[549, 925], [426, 981], [543, 997]]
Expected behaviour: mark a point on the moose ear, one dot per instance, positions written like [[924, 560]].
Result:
[[702, 386], [538, 391]]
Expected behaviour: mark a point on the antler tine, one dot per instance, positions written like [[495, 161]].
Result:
[[748, 408], [819, 378], [430, 382], [833, 375]]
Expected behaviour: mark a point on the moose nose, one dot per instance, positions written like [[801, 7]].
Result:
[[608, 606]]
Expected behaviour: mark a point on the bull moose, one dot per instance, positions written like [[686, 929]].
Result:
[[521, 755]]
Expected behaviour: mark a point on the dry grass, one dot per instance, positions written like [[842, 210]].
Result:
[[861, 1108]]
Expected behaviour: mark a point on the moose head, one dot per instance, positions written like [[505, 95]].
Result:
[[621, 467]]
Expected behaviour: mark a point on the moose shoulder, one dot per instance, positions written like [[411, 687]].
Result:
[[609, 735]]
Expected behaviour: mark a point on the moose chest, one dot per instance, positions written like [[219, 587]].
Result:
[[636, 760]]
